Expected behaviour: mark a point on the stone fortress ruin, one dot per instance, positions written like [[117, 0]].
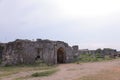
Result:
[[26, 51], [51, 52]]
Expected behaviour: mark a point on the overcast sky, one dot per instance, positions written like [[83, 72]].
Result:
[[88, 23]]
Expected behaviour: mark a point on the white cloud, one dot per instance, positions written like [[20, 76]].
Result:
[[88, 8], [89, 23]]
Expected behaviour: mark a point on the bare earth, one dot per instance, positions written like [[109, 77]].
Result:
[[72, 71]]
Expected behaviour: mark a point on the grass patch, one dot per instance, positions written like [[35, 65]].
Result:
[[38, 74], [45, 73], [91, 58], [9, 70]]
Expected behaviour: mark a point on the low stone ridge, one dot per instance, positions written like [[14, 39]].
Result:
[[112, 53]]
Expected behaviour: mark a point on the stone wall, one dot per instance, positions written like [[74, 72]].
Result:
[[27, 52], [102, 52]]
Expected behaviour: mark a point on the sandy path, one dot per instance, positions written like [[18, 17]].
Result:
[[72, 71], [20, 74]]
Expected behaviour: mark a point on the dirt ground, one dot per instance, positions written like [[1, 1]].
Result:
[[71, 71]]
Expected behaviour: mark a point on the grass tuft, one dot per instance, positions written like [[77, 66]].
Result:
[[45, 73], [10, 70]]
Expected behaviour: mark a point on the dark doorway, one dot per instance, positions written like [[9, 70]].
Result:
[[37, 58], [60, 55], [1, 52]]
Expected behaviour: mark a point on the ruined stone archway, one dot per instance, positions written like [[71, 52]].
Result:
[[1, 51], [60, 55]]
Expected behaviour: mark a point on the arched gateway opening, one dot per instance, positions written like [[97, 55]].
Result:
[[1, 51], [60, 55]]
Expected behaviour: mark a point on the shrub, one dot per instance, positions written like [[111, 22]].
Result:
[[91, 58], [45, 73]]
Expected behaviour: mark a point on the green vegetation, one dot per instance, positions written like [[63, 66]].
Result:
[[91, 58], [38, 74], [9, 70], [45, 73]]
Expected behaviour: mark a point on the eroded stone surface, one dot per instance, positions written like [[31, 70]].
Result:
[[26, 51], [51, 52]]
